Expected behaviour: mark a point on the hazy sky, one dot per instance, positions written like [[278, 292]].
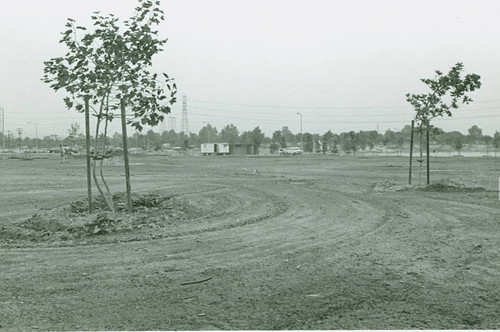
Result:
[[342, 64]]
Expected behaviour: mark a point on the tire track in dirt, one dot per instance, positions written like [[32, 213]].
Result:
[[282, 254], [290, 216], [300, 215]]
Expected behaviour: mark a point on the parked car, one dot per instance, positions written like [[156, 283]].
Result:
[[294, 150]]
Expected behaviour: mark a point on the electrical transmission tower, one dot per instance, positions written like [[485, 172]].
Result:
[[184, 121]]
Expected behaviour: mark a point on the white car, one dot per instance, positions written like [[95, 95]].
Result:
[[291, 151]]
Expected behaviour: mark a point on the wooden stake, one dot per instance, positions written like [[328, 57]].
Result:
[[125, 156], [87, 146], [428, 156], [411, 150]]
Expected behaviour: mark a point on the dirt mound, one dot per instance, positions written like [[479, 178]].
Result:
[[449, 186], [440, 186], [72, 223]]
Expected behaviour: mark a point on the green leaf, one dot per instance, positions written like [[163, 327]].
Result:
[[68, 102]]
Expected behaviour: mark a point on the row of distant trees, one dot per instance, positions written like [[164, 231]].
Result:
[[348, 142], [352, 142]]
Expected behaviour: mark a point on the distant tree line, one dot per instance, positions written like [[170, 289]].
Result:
[[346, 142]]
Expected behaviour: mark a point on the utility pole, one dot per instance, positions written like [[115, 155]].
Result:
[[301, 141], [3, 133]]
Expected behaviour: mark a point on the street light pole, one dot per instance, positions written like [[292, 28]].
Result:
[[208, 131], [301, 142]]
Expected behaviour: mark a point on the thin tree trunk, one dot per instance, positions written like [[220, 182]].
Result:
[[103, 194], [108, 191]]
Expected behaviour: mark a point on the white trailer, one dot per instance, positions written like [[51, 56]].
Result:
[[207, 148], [222, 148], [214, 148]]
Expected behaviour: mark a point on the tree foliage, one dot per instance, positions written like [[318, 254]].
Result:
[[447, 93], [496, 140], [475, 133], [208, 134], [74, 133], [229, 134], [458, 144], [109, 64]]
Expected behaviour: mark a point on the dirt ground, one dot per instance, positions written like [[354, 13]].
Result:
[[261, 243]]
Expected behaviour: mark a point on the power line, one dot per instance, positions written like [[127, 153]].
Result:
[[407, 118], [329, 108], [322, 114], [320, 107], [298, 107], [269, 120]]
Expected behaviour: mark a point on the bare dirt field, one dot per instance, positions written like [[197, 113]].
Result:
[[235, 243]]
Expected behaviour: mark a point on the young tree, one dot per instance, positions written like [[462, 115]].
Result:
[[185, 143], [347, 144], [400, 141], [288, 135], [110, 68], [308, 143], [257, 137], [169, 137], [324, 145], [74, 134], [9, 139], [194, 139], [277, 136], [447, 92], [183, 140], [334, 148], [496, 142], [389, 137], [458, 144]]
